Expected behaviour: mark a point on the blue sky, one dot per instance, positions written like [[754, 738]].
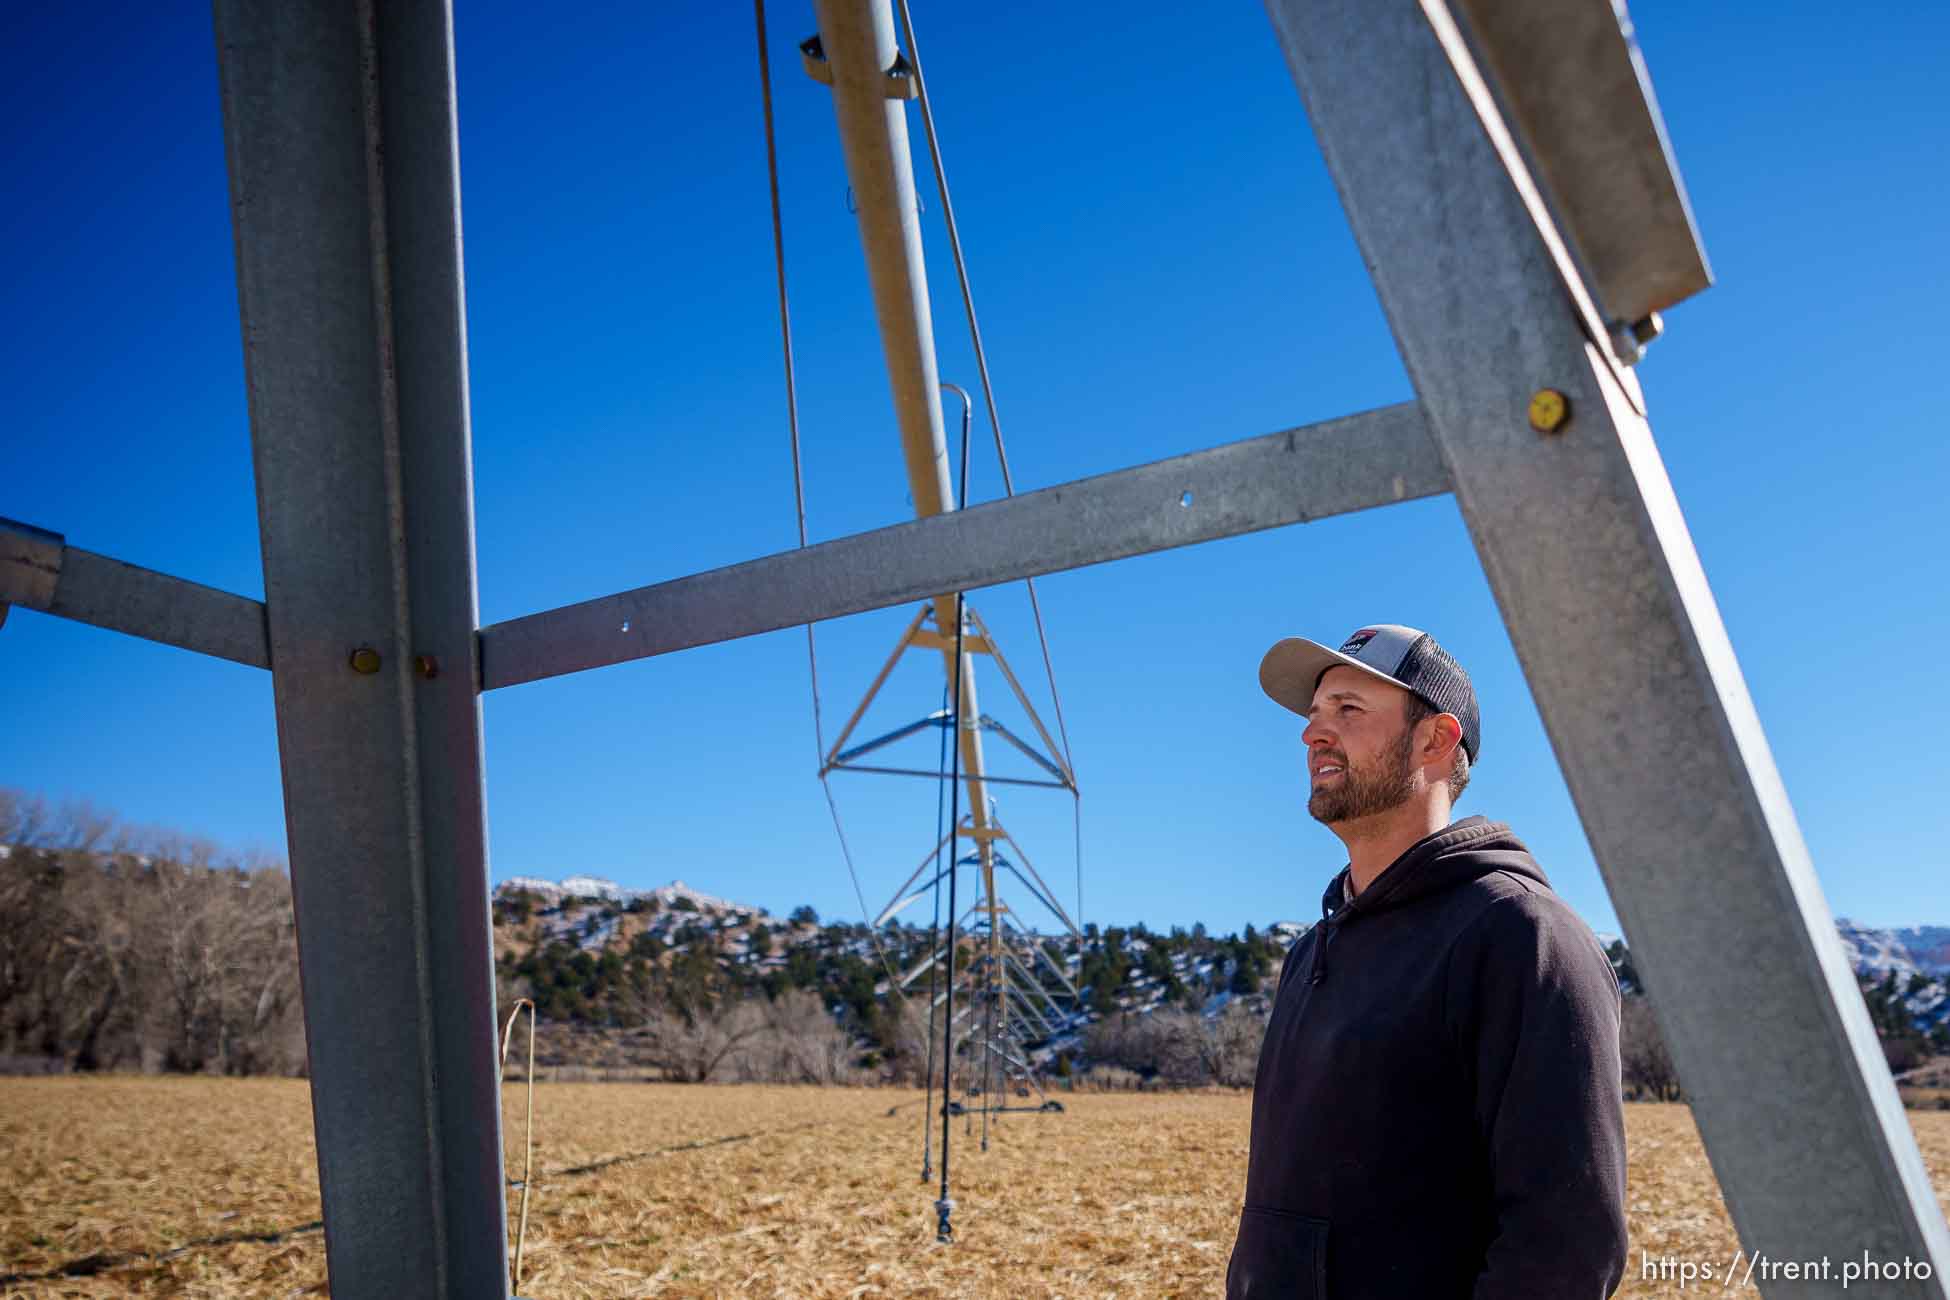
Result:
[[1161, 265]]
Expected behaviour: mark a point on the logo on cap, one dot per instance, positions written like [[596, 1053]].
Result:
[[1356, 643]]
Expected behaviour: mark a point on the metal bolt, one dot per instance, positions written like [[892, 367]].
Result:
[[365, 660], [427, 666], [1550, 410]]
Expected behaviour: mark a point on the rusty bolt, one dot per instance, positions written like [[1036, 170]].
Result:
[[427, 666], [365, 660], [1550, 410]]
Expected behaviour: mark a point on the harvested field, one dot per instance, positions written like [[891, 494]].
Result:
[[193, 1187]]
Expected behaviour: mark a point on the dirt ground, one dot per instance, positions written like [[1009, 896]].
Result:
[[193, 1187]]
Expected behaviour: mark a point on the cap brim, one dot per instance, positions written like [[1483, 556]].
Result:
[[1292, 668]]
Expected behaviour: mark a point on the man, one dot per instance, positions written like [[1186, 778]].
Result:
[[1437, 1107]]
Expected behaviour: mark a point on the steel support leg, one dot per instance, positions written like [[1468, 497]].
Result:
[[339, 124], [1588, 555]]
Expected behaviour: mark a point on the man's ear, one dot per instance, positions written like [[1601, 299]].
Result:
[[1445, 734]]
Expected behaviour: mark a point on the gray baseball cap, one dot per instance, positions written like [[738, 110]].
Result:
[[1405, 656]]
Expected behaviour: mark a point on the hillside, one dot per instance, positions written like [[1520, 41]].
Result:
[[176, 959], [600, 959], [624, 966]]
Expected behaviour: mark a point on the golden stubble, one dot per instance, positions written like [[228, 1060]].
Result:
[[205, 1187]]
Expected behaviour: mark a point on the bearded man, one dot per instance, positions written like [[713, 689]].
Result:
[[1437, 1110]]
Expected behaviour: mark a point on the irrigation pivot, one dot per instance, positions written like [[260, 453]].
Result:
[[1505, 171]]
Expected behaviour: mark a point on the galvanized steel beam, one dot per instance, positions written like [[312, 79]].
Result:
[[340, 132], [1352, 463], [39, 571], [1608, 608], [1573, 84]]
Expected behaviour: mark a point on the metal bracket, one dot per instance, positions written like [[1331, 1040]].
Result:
[[900, 83]]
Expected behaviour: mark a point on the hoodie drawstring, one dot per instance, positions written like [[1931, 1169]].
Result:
[[1317, 970]]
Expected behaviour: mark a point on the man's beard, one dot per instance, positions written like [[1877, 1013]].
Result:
[[1387, 782]]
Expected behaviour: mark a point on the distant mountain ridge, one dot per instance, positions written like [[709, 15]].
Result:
[[1907, 950], [1918, 956], [609, 891]]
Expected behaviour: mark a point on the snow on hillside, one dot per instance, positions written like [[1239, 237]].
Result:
[[610, 891], [1289, 932], [1910, 950]]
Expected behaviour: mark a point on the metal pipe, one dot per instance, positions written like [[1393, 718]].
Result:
[[858, 39]]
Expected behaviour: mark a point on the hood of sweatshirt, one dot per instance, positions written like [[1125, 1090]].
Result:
[[1454, 855]]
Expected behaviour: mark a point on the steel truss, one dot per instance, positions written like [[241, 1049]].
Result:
[[855, 54], [1504, 169], [1010, 995]]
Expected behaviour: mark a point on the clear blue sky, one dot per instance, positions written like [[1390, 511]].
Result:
[[1161, 266]]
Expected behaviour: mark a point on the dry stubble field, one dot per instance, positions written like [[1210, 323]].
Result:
[[192, 1187]]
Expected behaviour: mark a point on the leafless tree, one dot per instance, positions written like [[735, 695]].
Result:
[[126, 948], [1236, 1040], [1176, 1047], [696, 1049], [1645, 1061]]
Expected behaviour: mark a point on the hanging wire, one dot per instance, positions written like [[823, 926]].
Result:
[[988, 1035], [934, 938], [945, 1207], [1076, 826], [799, 490]]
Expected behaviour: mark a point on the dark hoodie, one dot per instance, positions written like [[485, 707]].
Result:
[[1437, 1108]]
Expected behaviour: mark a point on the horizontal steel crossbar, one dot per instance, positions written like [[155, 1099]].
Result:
[[40, 571], [1352, 463], [1336, 467]]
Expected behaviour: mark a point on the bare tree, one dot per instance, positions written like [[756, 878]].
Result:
[[804, 1043], [1236, 1040], [1645, 1061], [916, 1039], [697, 1048], [123, 948], [1180, 1048]]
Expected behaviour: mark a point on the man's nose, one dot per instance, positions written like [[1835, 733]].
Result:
[[1316, 733]]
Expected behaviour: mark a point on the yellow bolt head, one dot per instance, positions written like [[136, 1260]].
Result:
[[365, 660], [1550, 410]]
